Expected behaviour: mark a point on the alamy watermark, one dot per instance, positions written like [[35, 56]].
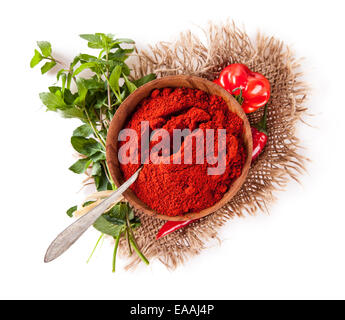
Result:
[[176, 148]]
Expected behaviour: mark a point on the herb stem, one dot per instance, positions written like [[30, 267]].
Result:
[[130, 229], [106, 169], [128, 242], [107, 173], [53, 59], [129, 233], [94, 249], [95, 131], [117, 240], [139, 253], [116, 95], [100, 116], [132, 242], [108, 85]]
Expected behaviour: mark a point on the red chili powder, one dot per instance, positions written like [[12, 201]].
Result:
[[176, 189]]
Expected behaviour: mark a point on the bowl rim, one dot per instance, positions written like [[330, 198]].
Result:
[[144, 91]]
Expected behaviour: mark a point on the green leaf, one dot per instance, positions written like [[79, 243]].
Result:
[[102, 183], [131, 214], [114, 220], [45, 47], [90, 37], [93, 84], [74, 62], [125, 69], [36, 59], [69, 97], [114, 78], [117, 214], [95, 45], [87, 147], [124, 40], [72, 113], [82, 92], [80, 166], [104, 226], [119, 55], [54, 89], [101, 101], [84, 130], [130, 85], [144, 79], [84, 66], [47, 66], [52, 101], [87, 57], [106, 38], [96, 169], [71, 210], [98, 156], [60, 73]]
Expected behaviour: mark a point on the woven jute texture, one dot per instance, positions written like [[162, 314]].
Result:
[[281, 159]]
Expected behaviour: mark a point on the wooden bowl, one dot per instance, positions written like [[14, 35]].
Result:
[[128, 107]]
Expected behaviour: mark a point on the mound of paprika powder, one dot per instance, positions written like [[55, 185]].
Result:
[[175, 189]]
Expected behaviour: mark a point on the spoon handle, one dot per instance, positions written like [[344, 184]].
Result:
[[72, 233]]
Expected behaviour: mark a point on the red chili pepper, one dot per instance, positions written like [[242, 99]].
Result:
[[171, 226], [252, 89], [260, 136]]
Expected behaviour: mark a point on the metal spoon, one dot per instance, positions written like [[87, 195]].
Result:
[[72, 233]]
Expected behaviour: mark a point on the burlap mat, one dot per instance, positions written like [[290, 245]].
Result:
[[280, 161]]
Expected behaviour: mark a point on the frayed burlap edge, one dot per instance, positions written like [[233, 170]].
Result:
[[279, 162]]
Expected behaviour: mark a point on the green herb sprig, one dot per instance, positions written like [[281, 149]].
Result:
[[94, 102]]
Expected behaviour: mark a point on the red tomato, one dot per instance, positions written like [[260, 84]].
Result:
[[255, 87]]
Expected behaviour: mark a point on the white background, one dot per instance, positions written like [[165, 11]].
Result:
[[296, 252]]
